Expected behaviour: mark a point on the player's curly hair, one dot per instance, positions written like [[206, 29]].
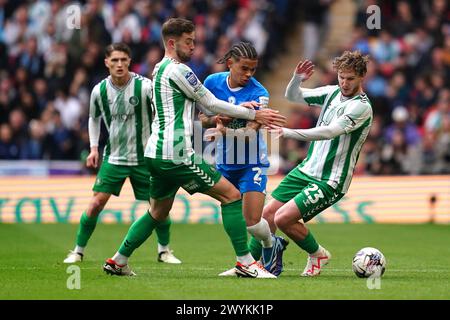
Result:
[[240, 50], [352, 60]]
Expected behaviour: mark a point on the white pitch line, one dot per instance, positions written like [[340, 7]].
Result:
[[182, 269]]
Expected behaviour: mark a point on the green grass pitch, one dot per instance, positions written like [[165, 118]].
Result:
[[418, 260]]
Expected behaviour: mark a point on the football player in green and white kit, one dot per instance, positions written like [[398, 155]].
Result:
[[123, 100], [325, 174], [171, 159]]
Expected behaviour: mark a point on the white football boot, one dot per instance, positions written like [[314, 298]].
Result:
[[73, 257], [316, 261], [254, 270], [168, 257], [112, 268], [228, 273]]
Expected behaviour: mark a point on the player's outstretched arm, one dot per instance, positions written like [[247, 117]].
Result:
[[303, 71], [270, 118], [313, 134], [266, 117]]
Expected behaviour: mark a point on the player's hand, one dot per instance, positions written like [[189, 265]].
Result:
[[92, 158], [212, 133], [305, 69], [270, 118], [276, 132], [224, 120], [250, 104], [202, 117]]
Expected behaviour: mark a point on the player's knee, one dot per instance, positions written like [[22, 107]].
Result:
[[251, 221], [231, 196], [97, 205], [268, 213], [280, 219]]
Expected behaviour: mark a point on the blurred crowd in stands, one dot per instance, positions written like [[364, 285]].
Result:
[[48, 68], [49, 65], [408, 83]]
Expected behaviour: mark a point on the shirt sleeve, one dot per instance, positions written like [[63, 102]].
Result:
[[263, 99], [313, 134], [188, 82], [316, 96], [354, 116], [147, 92], [216, 106], [94, 117], [94, 131], [94, 106]]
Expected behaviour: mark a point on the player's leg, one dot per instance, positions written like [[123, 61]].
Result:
[[258, 227], [252, 184], [268, 214], [285, 191], [165, 254], [290, 218], [264, 244], [236, 229], [140, 181], [199, 176], [253, 201], [86, 227], [138, 233], [233, 220], [110, 179], [163, 187]]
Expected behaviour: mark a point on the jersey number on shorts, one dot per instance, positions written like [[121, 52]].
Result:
[[257, 178], [318, 195]]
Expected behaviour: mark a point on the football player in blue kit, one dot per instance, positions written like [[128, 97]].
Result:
[[241, 152]]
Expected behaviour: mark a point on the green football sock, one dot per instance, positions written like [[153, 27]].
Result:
[[85, 229], [235, 227], [139, 231], [163, 232], [255, 248], [308, 244]]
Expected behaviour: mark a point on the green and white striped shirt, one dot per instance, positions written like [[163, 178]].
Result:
[[126, 112], [333, 161], [175, 90]]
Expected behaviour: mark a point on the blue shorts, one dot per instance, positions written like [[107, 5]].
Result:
[[247, 179]]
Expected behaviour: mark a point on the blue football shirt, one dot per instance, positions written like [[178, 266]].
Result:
[[232, 154]]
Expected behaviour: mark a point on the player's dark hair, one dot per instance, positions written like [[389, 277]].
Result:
[[240, 50], [175, 27], [352, 60], [119, 46]]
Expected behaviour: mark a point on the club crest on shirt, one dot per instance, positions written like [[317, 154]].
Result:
[[191, 78], [133, 101]]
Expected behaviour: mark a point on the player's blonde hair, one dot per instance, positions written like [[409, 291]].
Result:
[[352, 60]]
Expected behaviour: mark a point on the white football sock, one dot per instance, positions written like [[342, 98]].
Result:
[[246, 260], [162, 248], [318, 253], [79, 249], [261, 231], [120, 259]]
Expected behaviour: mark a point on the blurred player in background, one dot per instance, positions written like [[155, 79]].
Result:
[[123, 100], [244, 167], [324, 176], [170, 156]]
